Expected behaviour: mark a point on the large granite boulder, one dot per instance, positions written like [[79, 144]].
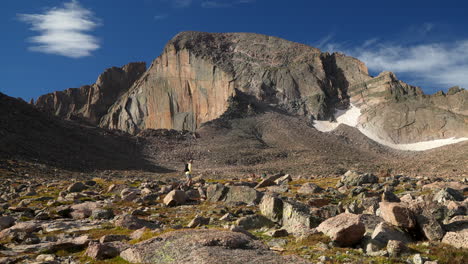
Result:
[[344, 229], [203, 246], [244, 194]]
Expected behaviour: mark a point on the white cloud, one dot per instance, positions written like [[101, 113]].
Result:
[[63, 30], [434, 64]]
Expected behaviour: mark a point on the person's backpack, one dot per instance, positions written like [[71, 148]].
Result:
[[186, 167]]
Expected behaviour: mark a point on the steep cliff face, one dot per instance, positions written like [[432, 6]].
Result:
[[190, 83], [90, 102]]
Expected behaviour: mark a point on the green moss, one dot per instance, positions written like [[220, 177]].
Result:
[[441, 252], [116, 260]]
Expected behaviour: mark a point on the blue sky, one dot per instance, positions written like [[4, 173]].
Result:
[[50, 45]]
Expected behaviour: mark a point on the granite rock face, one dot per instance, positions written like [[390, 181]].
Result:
[[192, 80], [90, 102]]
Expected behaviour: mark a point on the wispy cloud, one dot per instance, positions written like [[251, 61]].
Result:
[[215, 4], [441, 64], [161, 17], [224, 3], [182, 3], [63, 30]]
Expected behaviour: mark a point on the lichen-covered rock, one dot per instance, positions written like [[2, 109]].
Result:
[[297, 218], [272, 208], [204, 247], [396, 248], [254, 222], [134, 223], [353, 178], [429, 226], [457, 239], [448, 194]]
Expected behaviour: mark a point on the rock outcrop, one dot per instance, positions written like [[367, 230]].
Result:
[[90, 102]]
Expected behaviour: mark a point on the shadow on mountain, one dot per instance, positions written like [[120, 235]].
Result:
[[35, 136]]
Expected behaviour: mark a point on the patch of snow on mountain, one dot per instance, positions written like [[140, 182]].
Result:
[[351, 116], [348, 117]]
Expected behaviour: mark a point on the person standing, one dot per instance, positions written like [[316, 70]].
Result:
[[188, 172]]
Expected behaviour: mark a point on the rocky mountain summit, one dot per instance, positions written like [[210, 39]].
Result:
[[200, 75]]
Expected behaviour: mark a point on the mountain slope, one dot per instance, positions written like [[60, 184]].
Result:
[[32, 135], [90, 102]]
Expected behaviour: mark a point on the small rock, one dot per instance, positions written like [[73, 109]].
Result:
[[133, 223], [353, 178], [390, 197], [457, 239], [448, 194], [6, 222], [309, 188], [101, 251], [198, 221], [397, 214], [396, 248], [385, 232], [137, 234], [239, 229], [77, 187], [113, 238], [175, 197], [418, 259], [106, 213], [323, 258], [227, 217], [254, 222], [278, 233], [45, 257], [284, 179]]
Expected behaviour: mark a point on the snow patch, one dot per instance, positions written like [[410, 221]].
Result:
[[351, 116], [348, 117]]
